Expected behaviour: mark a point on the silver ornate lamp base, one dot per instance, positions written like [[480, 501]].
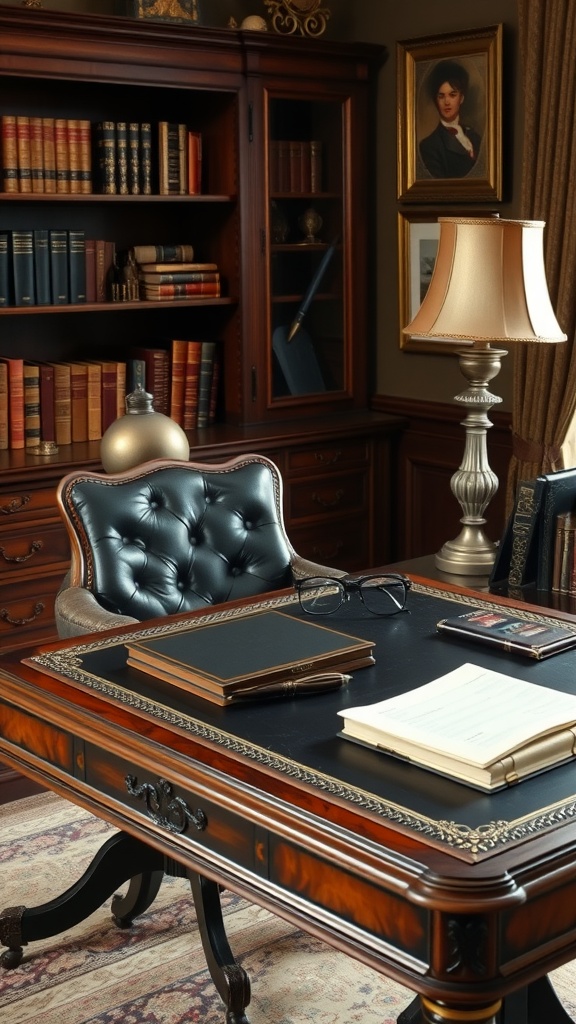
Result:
[[474, 484]]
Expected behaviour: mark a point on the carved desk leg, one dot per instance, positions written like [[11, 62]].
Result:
[[532, 1004], [231, 980], [119, 859]]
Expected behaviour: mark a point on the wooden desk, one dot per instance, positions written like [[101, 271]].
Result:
[[464, 897]]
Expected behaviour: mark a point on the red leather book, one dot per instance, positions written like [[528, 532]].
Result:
[[15, 369]]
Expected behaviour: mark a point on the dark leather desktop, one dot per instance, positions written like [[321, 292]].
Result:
[[465, 897]]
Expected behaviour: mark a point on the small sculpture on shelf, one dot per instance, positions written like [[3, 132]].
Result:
[[310, 223], [306, 17]]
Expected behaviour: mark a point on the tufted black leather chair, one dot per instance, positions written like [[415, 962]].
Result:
[[168, 537]]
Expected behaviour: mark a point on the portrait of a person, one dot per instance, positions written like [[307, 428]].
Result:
[[452, 148]]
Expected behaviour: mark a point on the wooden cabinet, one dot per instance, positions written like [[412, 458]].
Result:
[[248, 94]]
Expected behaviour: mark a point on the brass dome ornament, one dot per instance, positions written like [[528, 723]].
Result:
[[140, 435], [307, 17]]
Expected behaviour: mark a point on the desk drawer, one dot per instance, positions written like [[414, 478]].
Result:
[[26, 551], [27, 610], [328, 455], [20, 504]]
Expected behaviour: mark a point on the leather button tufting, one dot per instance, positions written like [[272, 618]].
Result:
[[248, 525]]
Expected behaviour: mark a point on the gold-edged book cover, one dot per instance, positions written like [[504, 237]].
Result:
[[220, 660], [182, 11]]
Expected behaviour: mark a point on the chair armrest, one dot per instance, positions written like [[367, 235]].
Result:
[[77, 612], [302, 567]]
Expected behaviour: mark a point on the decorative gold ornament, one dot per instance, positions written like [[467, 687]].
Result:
[[140, 435], [308, 17]]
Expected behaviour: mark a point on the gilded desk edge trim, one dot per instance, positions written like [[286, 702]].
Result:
[[464, 839]]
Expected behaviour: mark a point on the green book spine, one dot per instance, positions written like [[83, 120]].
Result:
[[5, 276], [146, 158], [105, 156], [77, 266], [42, 267], [58, 248], [122, 186], [23, 268], [205, 382], [134, 158]]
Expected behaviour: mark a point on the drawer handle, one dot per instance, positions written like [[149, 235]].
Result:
[[327, 460], [15, 505], [35, 546], [328, 504], [166, 810], [6, 617], [327, 556]]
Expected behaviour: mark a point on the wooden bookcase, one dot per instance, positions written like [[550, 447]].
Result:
[[244, 92]]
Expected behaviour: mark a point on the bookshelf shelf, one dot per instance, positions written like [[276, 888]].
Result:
[[241, 91]]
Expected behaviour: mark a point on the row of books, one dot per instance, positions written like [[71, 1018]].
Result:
[[74, 156], [535, 549], [295, 166], [55, 266], [69, 401]]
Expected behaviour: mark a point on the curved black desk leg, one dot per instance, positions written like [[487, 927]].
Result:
[[141, 893], [533, 1004], [231, 980], [117, 861]]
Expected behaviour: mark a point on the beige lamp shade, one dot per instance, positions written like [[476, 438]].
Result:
[[489, 284]]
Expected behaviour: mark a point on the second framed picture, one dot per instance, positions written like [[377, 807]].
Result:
[[450, 117]]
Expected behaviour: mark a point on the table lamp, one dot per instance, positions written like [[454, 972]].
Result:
[[488, 285]]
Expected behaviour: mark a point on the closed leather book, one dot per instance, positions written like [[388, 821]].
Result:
[[90, 268], [146, 182], [15, 371], [62, 155], [79, 401], [194, 163], [178, 357], [47, 425], [85, 131], [94, 400], [157, 375], [205, 384], [24, 154], [151, 255], [134, 184], [559, 496], [58, 248], [4, 438], [9, 153], [524, 554], [62, 404], [23, 267], [36, 154], [191, 385], [31, 405], [223, 660], [5, 269], [77, 266], [49, 154], [122, 186], [42, 267], [105, 156], [74, 155]]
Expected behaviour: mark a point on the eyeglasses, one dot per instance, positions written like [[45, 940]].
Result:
[[384, 594]]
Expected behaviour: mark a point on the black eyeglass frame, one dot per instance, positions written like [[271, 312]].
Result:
[[348, 585]]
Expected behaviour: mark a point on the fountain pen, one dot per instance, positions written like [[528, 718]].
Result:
[[294, 687]]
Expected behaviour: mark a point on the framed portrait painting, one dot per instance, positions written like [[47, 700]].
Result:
[[418, 238], [450, 117]]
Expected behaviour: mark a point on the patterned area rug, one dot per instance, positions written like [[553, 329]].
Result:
[[154, 973]]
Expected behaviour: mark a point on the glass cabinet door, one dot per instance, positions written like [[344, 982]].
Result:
[[307, 245]]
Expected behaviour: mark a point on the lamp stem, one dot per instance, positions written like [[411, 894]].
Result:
[[474, 484]]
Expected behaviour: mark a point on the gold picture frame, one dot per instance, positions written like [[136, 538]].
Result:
[[418, 237], [437, 162], [183, 12]]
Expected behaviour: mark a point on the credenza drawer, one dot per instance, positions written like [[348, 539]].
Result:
[[27, 610], [327, 455], [328, 495], [26, 551], [19, 504]]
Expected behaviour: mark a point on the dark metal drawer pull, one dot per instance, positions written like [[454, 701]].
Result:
[[166, 810], [15, 505], [327, 460], [6, 617], [35, 546], [328, 504]]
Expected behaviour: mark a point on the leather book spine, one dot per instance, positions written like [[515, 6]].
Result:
[[31, 405], [191, 385], [182, 290], [146, 158], [133, 158], [522, 569], [74, 156], [215, 386], [15, 371], [94, 400], [62, 404], [181, 277], [163, 178], [85, 130], [77, 266], [10, 181], [90, 268], [79, 401], [109, 387], [42, 267], [5, 269], [205, 383], [120, 389], [559, 497], [62, 155], [105, 156], [151, 255], [157, 375], [58, 248], [24, 154], [100, 254], [122, 186], [23, 268], [47, 427], [305, 167], [194, 163], [49, 154], [316, 170], [182, 159], [178, 357], [295, 157], [36, 154], [4, 438]]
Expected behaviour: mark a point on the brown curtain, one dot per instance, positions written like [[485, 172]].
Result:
[[544, 396]]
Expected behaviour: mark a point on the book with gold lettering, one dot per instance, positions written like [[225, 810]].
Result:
[[536, 638], [486, 729], [230, 659]]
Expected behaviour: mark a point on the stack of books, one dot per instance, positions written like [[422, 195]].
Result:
[[46, 154], [296, 166], [173, 274], [194, 382], [42, 267], [179, 159]]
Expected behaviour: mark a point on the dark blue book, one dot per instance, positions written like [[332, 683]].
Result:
[[23, 267], [76, 266], [5, 269], [42, 267], [58, 248], [559, 497]]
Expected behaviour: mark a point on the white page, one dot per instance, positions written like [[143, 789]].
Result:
[[471, 713]]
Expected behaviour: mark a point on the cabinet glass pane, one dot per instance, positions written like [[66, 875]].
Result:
[[306, 216]]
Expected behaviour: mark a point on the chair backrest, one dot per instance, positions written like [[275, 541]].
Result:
[[168, 537]]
